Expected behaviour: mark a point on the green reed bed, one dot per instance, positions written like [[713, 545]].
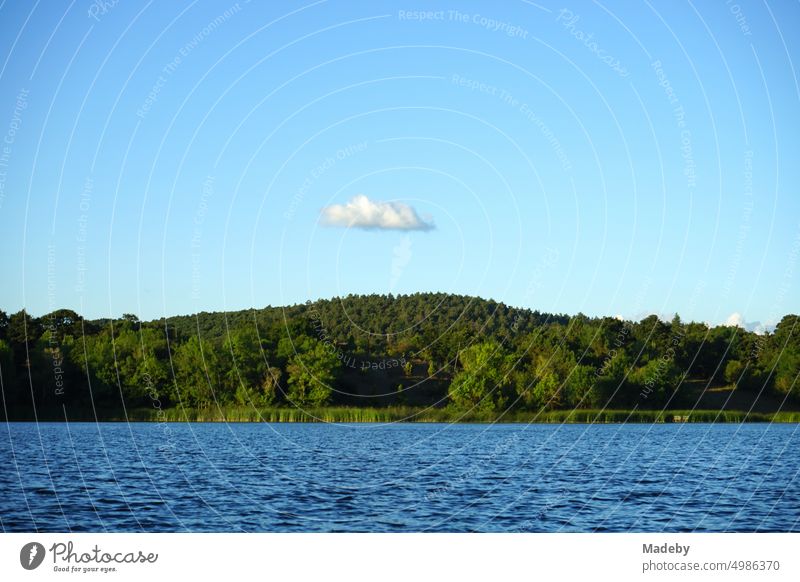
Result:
[[334, 414], [411, 414]]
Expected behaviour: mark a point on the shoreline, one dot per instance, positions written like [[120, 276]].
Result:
[[409, 415]]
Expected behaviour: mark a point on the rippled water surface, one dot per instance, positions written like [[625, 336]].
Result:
[[403, 477]]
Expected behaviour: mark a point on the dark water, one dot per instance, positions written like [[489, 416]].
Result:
[[405, 477]]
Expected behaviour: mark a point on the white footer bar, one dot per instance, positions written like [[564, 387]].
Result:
[[402, 557]]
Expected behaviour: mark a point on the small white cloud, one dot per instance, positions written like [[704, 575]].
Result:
[[761, 328], [735, 320], [361, 212], [401, 256]]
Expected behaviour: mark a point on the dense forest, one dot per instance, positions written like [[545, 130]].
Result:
[[426, 350]]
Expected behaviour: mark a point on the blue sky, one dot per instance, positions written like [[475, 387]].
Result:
[[619, 158]]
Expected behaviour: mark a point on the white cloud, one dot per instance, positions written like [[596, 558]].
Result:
[[735, 320], [361, 212], [401, 256], [738, 320]]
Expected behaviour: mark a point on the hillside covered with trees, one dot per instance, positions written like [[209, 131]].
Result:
[[421, 350]]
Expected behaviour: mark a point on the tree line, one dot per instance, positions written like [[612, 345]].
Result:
[[433, 349]]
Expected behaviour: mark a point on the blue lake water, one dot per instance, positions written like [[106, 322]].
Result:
[[402, 477]]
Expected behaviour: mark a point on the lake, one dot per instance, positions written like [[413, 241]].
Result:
[[403, 477]]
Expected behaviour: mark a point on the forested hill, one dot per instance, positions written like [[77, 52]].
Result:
[[426, 349], [359, 316]]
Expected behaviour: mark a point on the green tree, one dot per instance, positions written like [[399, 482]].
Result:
[[785, 354], [3, 324], [484, 378], [312, 373], [733, 371], [197, 372], [53, 375], [612, 387], [580, 388], [654, 381], [22, 332], [133, 364], [245, 360], [7, 371], [267, 394], [546, 391]]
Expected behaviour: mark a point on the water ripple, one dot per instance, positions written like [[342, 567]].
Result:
[[296, 477]]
